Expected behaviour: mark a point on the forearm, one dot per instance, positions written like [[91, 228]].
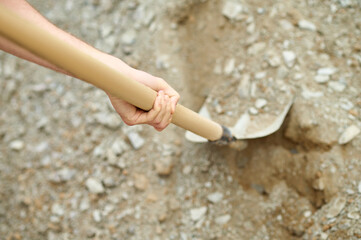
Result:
[[25, 10]]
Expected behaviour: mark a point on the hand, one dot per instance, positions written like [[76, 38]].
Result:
[[160, 116]]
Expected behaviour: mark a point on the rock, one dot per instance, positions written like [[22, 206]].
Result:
[[307, 25], [260, 103], [322, 78], [109, 182], [17, 145], [353, 215], [162, 62], [232, 10], [350, 133], [327, 71], [359, 187], [129, 37], [215, 197], [256, 48], [229, 67], [62, 175], [286, 25], [336, 206], [94, 186], [111, 121], [97, 216], [337, 86], [140, 182], [187, 170], [136, 140], [57, 209], [253, 111], [289, 58], [198, 213], [260, 75], [164, 166], [223, 219], [273, 59], [345, 3]]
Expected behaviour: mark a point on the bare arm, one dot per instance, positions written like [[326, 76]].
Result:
[[159, 117]]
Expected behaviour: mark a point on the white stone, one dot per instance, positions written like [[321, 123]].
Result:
[[260, 75], [223, 219], [97, 216], [232, 10], [307, 214], [322, 78], [260, 103], [62, 175], [350, 133], [335, 206], [215, 197], [187, 170], [17, 145], [345, 3], [286, 25], [256, 48], [198, 213], [307, 25], [353, 215], [129, 37], [57, 209], [337, 86], [289, 58], [307, 94], [359, 187], [253, 111], [94, 186], [229, 67], [327, 71], [323, 236], [136, 140]]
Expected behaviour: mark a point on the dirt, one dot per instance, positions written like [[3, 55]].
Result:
[[298, 183]]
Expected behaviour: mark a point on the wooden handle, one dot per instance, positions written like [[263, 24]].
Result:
[[80, 64]]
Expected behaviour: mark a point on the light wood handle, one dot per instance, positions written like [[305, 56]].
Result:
[[71, 59]]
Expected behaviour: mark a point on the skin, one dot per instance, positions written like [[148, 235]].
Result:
[[164, 106]]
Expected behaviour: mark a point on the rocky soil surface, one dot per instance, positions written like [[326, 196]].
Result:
[[70, 169]]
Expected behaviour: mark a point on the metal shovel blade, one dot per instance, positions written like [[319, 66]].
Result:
[[249, 110]]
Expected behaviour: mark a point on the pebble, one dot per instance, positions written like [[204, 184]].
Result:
[[129, 37], [322, 78], [140, 182], [232, 9], [256, 48], [17, 145], [327, 71], [136, 140], [187, 170], [62, 175], [229, 67], [109, 182], [215, 197], [164, 166], [57, 209], [307, 25], [260, 103], [336, 206], [350, 133], [345, 3], [94, 186], [353, 215], [253, 111], [198, 213], [111, 121], [337, 86], [223, 219], [97, 216], [289, 57], [359, 187]]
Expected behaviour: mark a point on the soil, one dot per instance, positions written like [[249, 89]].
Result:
[[70, 169]]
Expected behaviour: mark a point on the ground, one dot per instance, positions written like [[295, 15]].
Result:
[[70, 169]]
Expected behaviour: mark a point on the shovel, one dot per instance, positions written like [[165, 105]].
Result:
[[71, 59]]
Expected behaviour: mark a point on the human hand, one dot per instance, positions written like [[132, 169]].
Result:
[[160, 116]]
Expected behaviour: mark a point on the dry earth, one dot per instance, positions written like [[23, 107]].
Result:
[[70, 169]]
